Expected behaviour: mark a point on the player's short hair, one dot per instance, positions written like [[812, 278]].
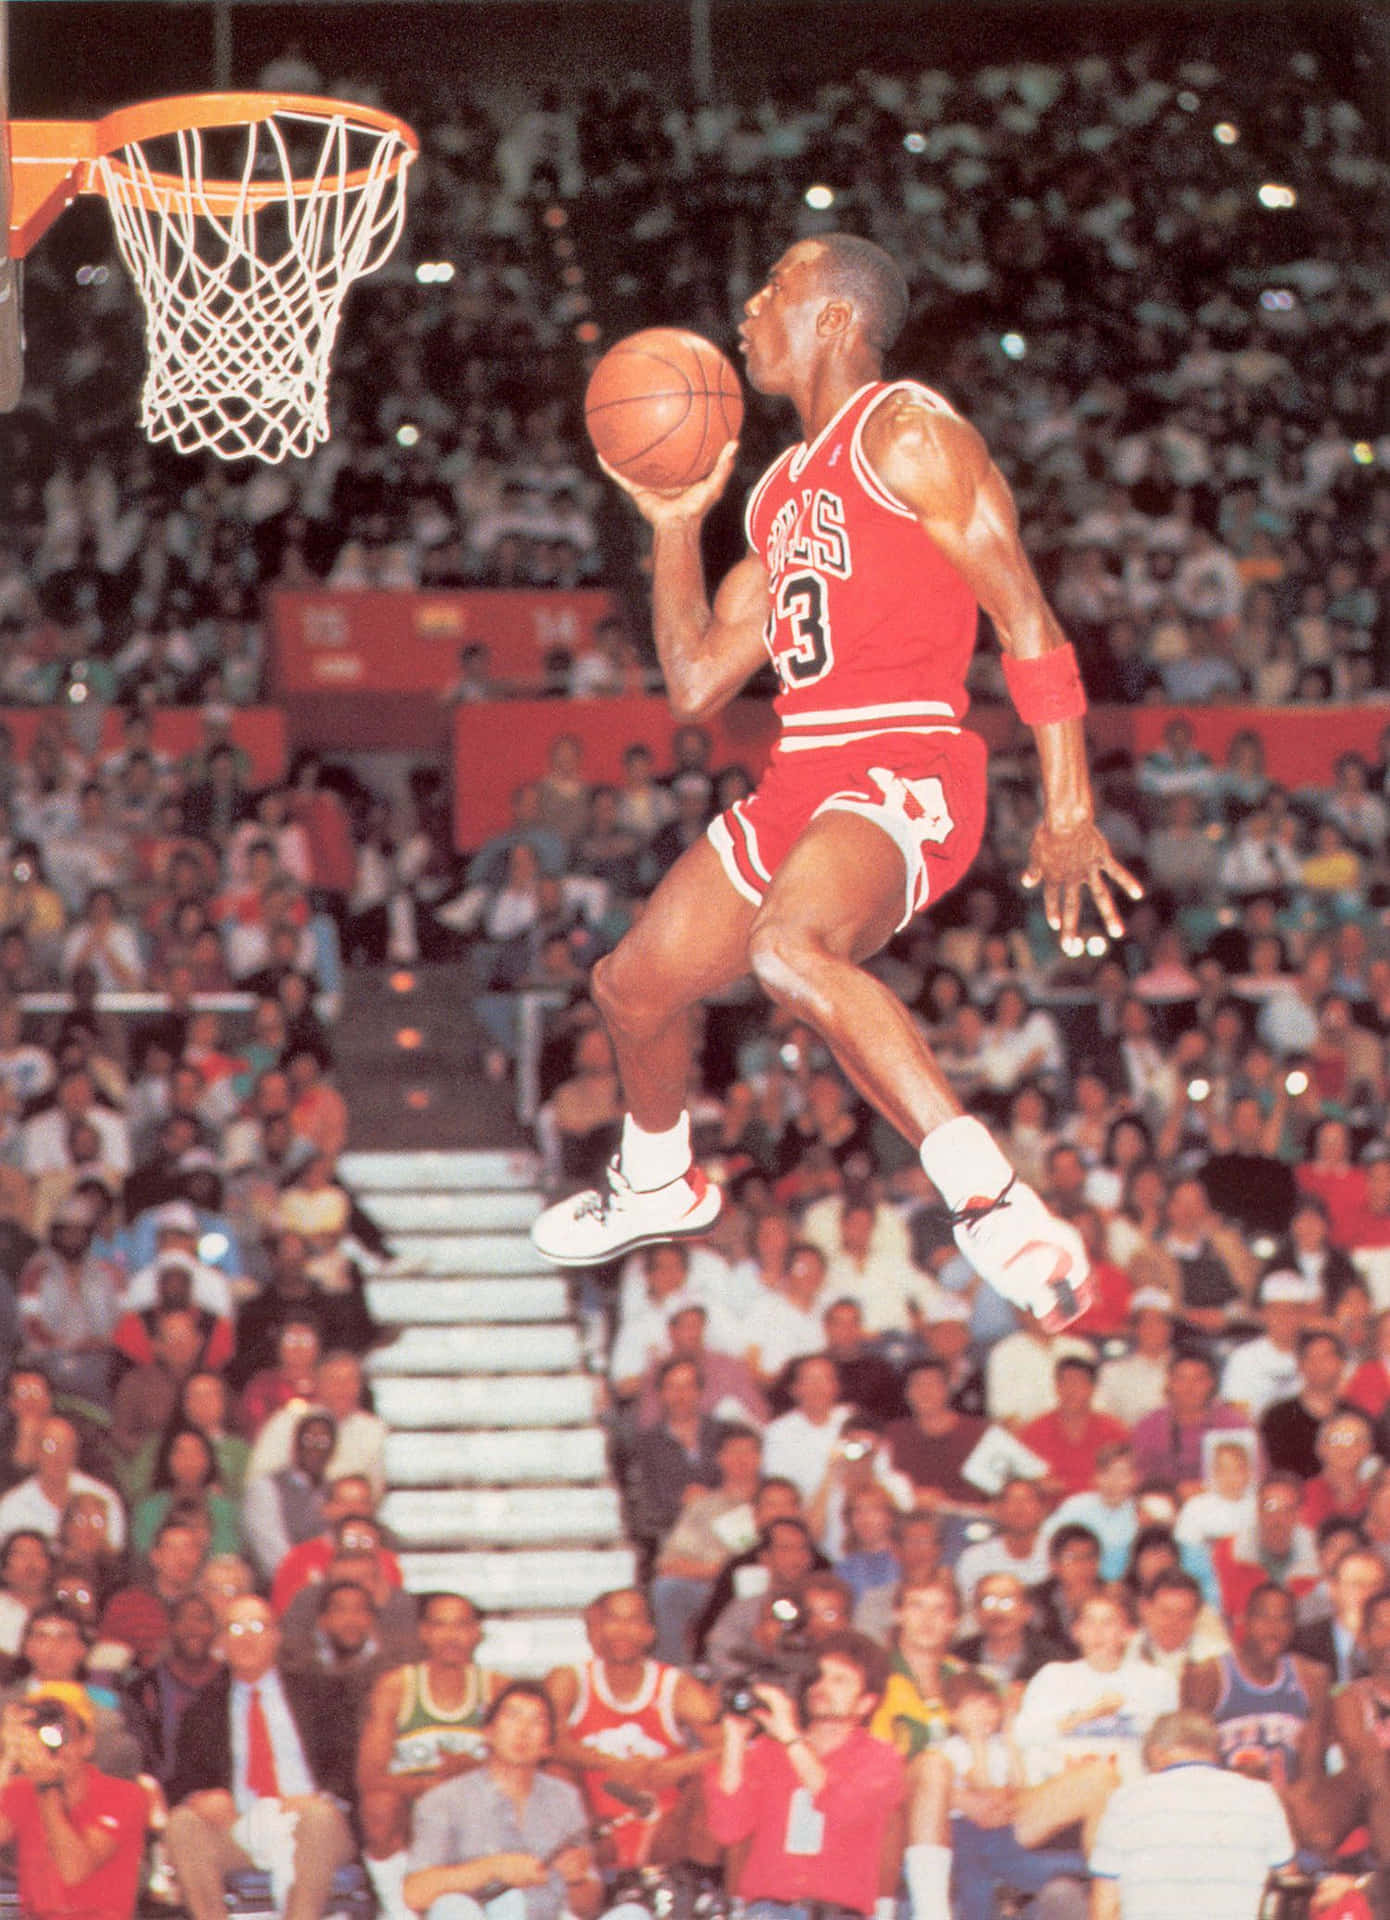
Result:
[[871, 278]]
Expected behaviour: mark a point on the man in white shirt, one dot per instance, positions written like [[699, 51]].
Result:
[[1191, 1836], [1137, 1383], [1017, 1545], [1265, 1369], [643, 1338], [868, 1257], [1098, 1706], [1020, 1374], [176, 1244], [799, 1446], [38, 1503], [783, 1324], [44, 1138]]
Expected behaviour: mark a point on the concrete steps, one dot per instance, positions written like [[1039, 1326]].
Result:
[[489, 1399], [496, 1464]]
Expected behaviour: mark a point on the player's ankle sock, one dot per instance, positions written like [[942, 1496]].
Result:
[[388, 1883], [964, 1163], [654, 1159], [927, 1871]]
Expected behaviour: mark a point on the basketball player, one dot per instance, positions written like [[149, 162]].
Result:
[[424, 1725], [873, 544], [634, 1730], [1272, 1709]]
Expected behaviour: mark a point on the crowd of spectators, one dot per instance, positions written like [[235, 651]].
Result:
[[1149, 274], [1004, 1562]]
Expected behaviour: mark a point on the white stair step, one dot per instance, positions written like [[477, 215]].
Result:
[[425, 1212], [558, 1578], [558, 1454], [502, 1400], [409, 1300], [550, 1346], [483, 1253], [526, 1647], [380, 1172], [495, 1516]]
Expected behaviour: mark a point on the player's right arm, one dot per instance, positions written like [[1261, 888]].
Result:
[[706, 651]]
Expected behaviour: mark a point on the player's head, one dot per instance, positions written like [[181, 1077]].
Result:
[[835, 290], [855, 269]]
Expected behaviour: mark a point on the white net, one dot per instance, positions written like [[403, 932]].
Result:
[[243, 269]]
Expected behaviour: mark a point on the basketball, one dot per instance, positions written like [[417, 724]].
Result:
[[661, 406]]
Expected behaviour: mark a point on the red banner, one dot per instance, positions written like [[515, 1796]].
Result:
[[371, 642]]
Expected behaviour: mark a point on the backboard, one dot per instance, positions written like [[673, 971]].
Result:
[[11, 338]]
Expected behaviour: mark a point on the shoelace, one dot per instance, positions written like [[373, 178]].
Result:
[[593, 1206], [979, 1210]]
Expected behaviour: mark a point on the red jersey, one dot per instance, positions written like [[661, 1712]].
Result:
[[871, 626], [643, 1728]]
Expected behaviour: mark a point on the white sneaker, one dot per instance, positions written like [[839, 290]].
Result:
[[1035, 1260], [592, 1227]]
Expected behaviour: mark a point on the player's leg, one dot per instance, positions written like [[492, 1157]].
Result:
[[690, 942], [836, 898]]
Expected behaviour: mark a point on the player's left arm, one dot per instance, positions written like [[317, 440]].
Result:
[[938, 465]]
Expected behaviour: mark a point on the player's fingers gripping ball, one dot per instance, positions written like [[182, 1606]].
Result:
[[661, 406]]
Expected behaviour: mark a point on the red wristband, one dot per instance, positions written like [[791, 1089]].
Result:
[[1046, 688]]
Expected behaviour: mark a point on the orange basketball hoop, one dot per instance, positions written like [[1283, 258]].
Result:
[[243, 219]]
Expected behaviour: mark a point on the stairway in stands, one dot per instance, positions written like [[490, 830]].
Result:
[[496, 1467]]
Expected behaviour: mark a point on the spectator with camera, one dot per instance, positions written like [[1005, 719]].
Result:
[[817, 1798], [78, 1833]]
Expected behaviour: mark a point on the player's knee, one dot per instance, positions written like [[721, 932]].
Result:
[[614, 988], [782, 959], [627, 992]]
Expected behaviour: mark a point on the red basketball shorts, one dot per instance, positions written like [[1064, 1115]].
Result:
[[925, 790]]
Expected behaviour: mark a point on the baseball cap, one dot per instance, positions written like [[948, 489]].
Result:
[[70, 1697], [1287, 1288], [176, 1216], [1151, 1300]]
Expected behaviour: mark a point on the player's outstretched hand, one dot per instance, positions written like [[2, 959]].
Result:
[[1069, 862], [686, 503]]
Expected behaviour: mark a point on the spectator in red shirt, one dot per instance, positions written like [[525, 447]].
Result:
[[821, 1804], [1108, 1313], [351, 1528], [1346, 1448], [1070, 1437], [294, 1377], [1369, 1387], [78, 1833], [1331, 1177]]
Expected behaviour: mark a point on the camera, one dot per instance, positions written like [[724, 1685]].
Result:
[[790, 1665], [21, 873], [856, 1450], [50, 1723]]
